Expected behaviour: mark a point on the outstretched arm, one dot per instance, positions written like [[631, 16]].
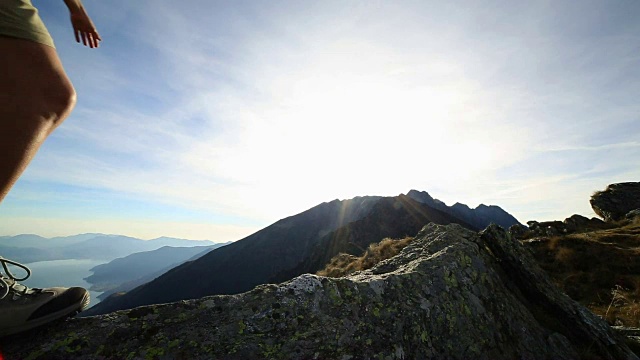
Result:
[[82, 25]]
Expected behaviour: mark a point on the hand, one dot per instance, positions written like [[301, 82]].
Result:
[[83, 28]]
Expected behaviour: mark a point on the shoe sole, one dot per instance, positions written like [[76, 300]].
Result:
[[67, 312]]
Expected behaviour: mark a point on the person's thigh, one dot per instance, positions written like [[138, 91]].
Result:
[[31, 74], [35, 96]]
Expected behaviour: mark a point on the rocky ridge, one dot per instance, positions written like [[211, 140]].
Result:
[[574, 223], [452, 293], [479, 217]]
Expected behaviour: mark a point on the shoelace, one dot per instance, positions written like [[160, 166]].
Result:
[[9, 281]]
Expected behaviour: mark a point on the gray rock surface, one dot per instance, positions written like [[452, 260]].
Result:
[[616, 201], [451, 294]]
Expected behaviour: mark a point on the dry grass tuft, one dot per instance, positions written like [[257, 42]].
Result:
[[564, 254], [623, 309], [345, 264]]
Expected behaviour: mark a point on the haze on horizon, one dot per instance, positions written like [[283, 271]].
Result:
[[212, 119]]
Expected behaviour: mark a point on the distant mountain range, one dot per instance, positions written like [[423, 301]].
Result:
[[126, 273], [31, 248], [303, 243], [128, 262]]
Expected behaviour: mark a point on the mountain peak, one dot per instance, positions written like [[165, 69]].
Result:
[[418, 194], [461, 205], [480, 217]]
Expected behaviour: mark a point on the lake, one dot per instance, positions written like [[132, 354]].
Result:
[[65, 273]]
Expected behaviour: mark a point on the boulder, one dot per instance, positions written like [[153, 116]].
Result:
[[517, 231], [576, 223], [546, 228], [450, 294], [616, 200]]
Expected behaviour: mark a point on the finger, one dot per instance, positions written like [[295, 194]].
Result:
[[90, 40], [77, 34], [96, 42], [96, 39], [84, 38]]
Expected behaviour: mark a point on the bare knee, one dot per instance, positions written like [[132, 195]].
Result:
[[44, 106], [58, 101], [34, 85]]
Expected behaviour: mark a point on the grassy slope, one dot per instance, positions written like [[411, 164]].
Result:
[[600, 269]]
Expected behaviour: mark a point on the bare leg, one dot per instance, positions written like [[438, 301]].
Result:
[[35, 97]]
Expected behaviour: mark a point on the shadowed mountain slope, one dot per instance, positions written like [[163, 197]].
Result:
[[128, 268], [392, 217], [242, 265]]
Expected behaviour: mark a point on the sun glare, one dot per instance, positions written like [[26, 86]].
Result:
[[342, 128]]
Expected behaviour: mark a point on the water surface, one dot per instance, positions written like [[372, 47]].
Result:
[[64, 273]]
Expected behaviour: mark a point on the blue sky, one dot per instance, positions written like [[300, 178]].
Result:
[[213, 119]]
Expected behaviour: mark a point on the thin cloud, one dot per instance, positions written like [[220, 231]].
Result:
[[624, 145]]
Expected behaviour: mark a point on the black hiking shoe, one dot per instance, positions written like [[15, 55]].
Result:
[[22, 308]]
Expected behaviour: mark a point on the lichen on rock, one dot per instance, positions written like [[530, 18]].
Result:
[[451, 293]]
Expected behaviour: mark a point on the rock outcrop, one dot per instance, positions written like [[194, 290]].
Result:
[[575, 223], [452, 293], [616, 201]]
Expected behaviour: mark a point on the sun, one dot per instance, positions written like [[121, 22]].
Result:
[[343, 127]]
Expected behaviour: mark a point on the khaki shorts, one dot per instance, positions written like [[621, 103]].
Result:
[[19, 19]]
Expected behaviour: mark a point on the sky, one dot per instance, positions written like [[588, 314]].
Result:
[[206, 119]]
